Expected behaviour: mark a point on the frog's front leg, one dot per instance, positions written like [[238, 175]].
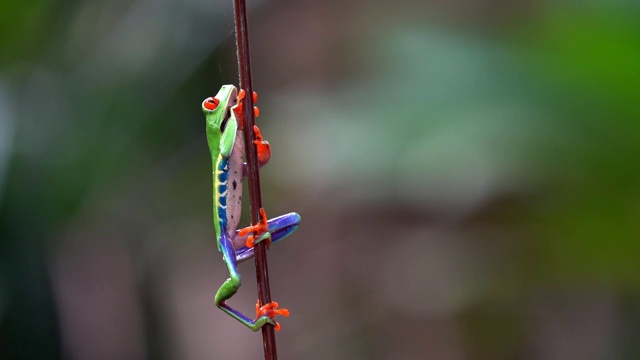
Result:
[[279, 227], [264, 314], [262, 147]]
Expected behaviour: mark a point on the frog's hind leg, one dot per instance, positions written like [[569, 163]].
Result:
[[279, 227], [231, 286]]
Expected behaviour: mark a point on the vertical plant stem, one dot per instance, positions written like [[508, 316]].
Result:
[[246, 83]]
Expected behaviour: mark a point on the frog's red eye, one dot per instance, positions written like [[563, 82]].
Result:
[[211, 103]]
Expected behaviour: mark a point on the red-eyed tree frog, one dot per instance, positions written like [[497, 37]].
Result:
[[224, 136]]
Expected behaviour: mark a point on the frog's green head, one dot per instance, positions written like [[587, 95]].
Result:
[[216, 109]]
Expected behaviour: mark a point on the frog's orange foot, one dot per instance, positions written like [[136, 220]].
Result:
[[238, 110], [261, 231], [271, 310], [262, 145]]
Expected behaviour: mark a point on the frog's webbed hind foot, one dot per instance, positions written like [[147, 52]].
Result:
[[261, 230], [270, 310]]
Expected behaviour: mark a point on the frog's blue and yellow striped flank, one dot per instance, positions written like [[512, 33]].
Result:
[[221, 190], [225, 141]]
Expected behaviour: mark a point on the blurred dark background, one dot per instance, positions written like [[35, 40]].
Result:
[[468, 175]]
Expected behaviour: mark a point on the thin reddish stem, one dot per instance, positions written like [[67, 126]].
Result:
[[253, 175]]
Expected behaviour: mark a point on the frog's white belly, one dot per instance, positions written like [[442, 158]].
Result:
[[234, 187]]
